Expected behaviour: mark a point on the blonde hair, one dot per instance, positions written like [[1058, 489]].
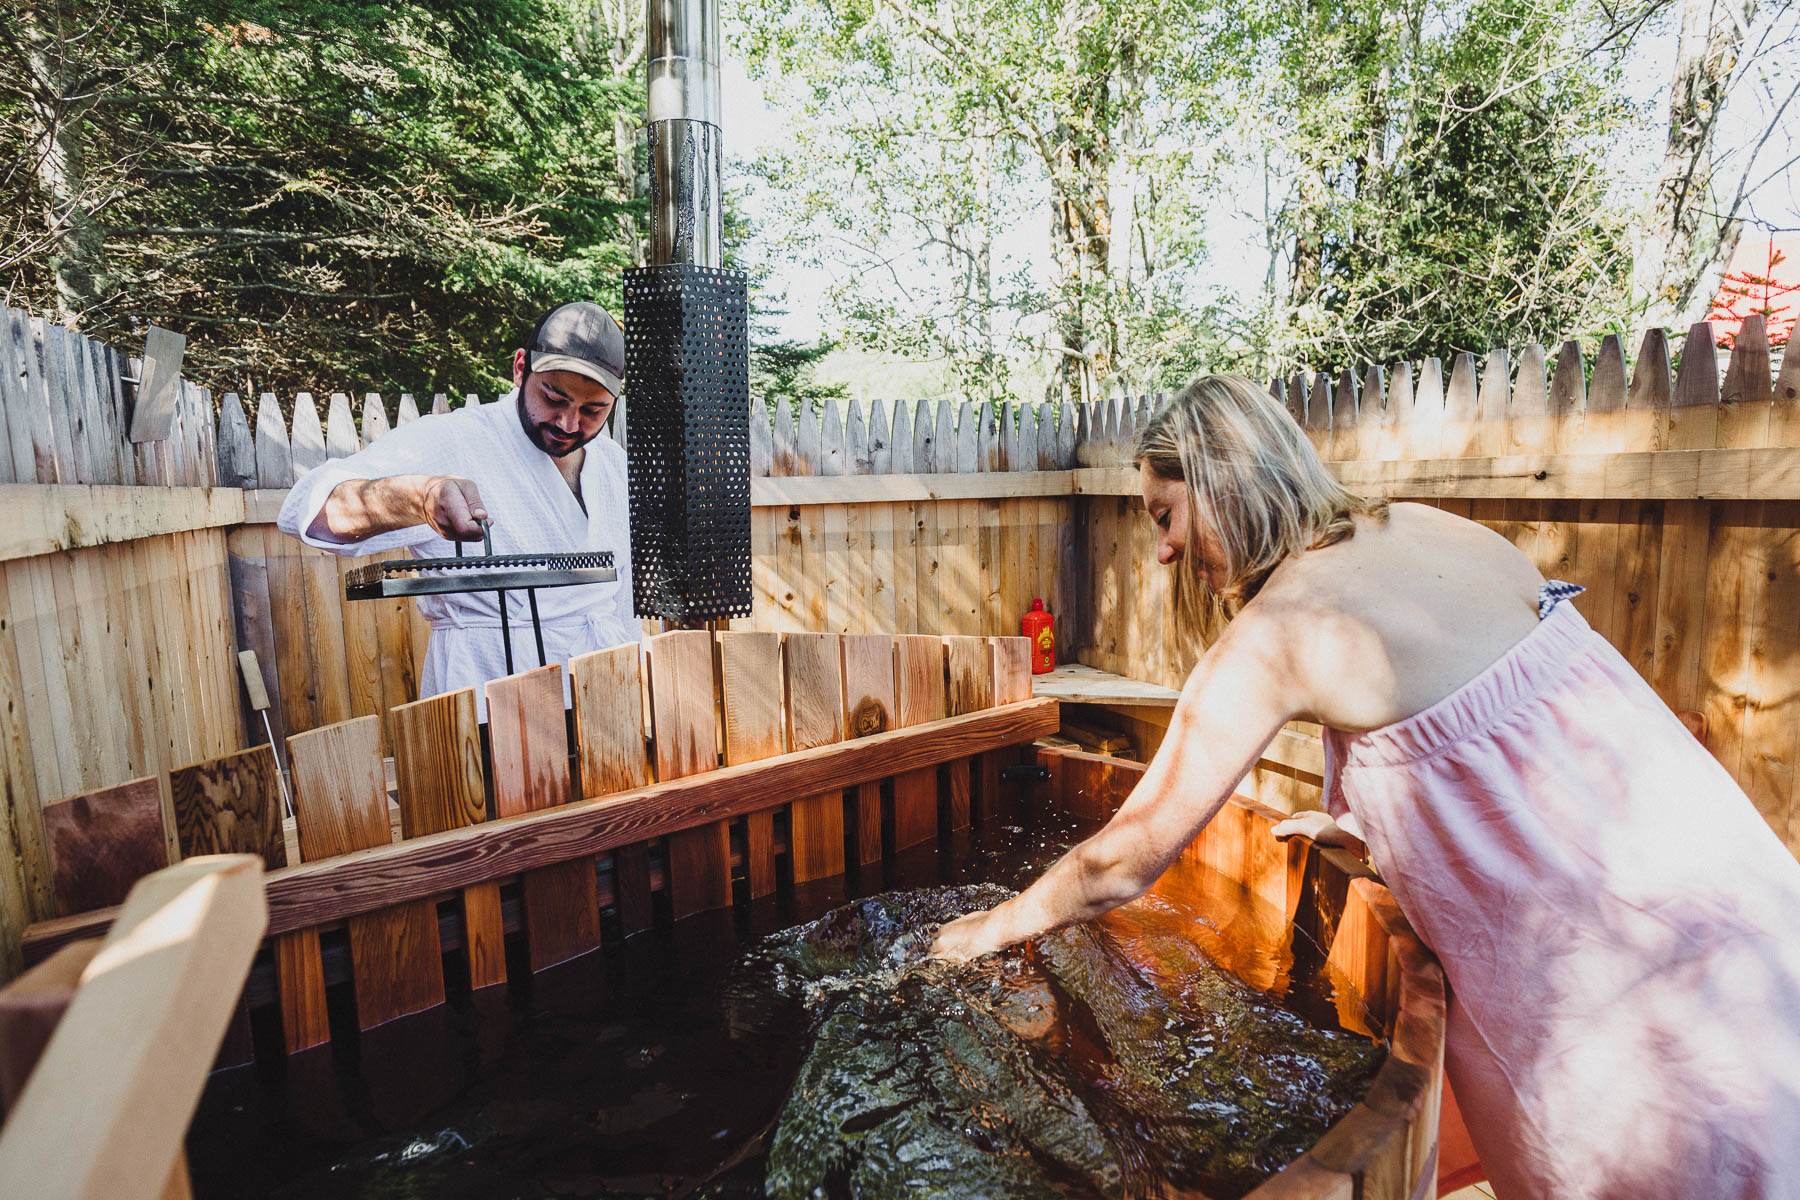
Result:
[[1254, 479]]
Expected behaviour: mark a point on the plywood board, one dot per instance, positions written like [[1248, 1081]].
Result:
[[102, 842], [529, 747], [230, 805]]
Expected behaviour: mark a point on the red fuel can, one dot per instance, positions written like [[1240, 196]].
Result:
[[1040, 627]]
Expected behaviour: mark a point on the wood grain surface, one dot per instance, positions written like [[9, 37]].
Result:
[[314, 893], [870, 707], [103, 842], [340, 801], [529, 746], [681, 705], [969, 662], [609, 738], [437, 769], [230, 805], [919, 698], [437, 763], [750, 688], [815, 717], [340, 795]]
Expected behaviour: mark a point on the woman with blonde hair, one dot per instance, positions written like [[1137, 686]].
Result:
[[1616, 921]]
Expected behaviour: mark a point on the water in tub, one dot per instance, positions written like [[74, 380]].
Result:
[[1192, 1042]]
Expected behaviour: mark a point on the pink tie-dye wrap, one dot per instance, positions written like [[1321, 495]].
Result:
[[1619, 926]]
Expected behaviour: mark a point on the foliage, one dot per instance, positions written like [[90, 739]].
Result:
[[1450, 187], [1436, 176], [921, 135], [314, 190]]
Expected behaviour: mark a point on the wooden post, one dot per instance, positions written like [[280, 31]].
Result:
[[814, 683]]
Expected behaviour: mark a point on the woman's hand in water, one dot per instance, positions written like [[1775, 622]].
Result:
[[968, 938]]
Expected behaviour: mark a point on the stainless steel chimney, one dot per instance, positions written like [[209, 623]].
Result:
[[686, 159], [687, 347]]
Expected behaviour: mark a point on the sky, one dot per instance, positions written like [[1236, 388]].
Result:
[[751, 123]]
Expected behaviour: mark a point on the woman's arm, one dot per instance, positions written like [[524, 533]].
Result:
[[1239, 695]]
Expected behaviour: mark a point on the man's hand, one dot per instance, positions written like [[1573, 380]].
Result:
[[453, 507]]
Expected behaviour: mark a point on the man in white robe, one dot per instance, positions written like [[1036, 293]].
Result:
[[534, 464]]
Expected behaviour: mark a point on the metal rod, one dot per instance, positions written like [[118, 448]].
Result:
[[537, 630], [487, 542], [280, 771]]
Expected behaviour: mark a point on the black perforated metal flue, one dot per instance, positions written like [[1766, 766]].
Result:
[[687, 376]]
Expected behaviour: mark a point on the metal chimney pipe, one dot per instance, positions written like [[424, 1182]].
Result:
[[686, 156]]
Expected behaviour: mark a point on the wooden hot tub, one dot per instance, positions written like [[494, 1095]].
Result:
[[476, 901]]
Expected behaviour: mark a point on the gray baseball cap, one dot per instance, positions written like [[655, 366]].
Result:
[[581, 337]]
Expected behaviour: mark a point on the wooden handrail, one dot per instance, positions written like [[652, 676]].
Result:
[[104, 1113]]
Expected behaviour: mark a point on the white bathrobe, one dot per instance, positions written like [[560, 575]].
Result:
[[533, 511]]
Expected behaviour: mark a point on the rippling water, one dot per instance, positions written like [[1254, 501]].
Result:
[[1190, 1043]]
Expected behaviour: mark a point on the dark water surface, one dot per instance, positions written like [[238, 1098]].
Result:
[[1191, 1043]]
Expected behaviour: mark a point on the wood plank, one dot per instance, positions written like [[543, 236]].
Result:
[[1745, 395], [528, 746], [1771, 725], [1680, 596], [313, 893], [813, 684], [437, 771], [1784, 407], [970, 664], [101, 843], [609, 720], [230, 805], [610, 747], [919, 698], [118, 1082], [684, 718], [340, 795], [340, 806], [1603, 429], [750, 685], [786, 491], [870, 707]]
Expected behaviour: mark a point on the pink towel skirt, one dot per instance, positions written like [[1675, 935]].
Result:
[[1620, 928]]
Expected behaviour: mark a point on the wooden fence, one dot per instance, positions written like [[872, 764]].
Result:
[[132, 573]]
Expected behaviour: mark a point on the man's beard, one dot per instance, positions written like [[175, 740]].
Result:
[[535, 434]]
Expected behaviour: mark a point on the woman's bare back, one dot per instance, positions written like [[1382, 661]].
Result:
[[1389, 622]]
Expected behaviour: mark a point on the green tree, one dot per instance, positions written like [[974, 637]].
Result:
[[1450, 187], [923, 131], [316, 192]]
